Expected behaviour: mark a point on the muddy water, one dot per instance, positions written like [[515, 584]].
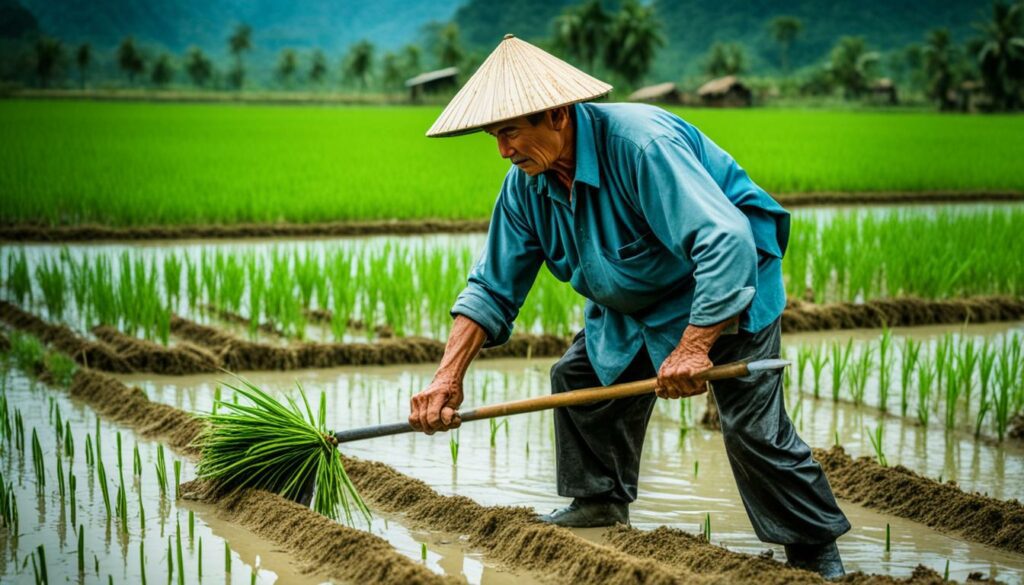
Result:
[[46, 520], [685, 475]]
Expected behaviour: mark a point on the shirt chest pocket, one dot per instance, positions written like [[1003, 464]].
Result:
[[645, 244], [637, 274]]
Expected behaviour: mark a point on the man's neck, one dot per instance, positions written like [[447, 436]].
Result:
[[564, 168]]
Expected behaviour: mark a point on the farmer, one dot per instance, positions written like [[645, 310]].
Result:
[[678, 254]]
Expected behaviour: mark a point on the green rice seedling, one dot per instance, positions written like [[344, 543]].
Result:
[[60, 367], [53, 282], [877, 445], [453, 447], [41, 553], [803, 356], [27, 351], [267, 445], [696, 468], [908, 360], [177, 478], [945, 572], [38, 462], [99, 440], [81, 550], [69, 442], [142, 562], [172, 278], [255, 571], [840, 358], [227, 558], [986, 364], [836, 443], [819, 359], [120, 463], [192, 287], [954, 386], [707, 527], [102, 474], [121, 506], [888, 541], [136, 462], [161, 469], [18, 280], [423, 551], [967, 360], [181, 562], [170, 561], [1007, 379], [943, 350], [494, 430], [89, 457], [216, 398], [19, 431], [860, 371], [200, 560], [883, 369], [72, 487], [191, 525], [142, 514], [60, 478]]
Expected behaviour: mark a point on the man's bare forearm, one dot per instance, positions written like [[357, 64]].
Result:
[[698, 338], [464, 343]]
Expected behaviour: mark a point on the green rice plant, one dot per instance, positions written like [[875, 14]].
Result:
[[967, 359], [696, 468], [267, 445], [860, 371], [60, 479], [200, 559], [803, 356], [73, 488], [69, 442], [423, 551], [177, 479], [192, 288], [142, 562], [27, 351], [136, 462], [1006, 374], [120, 462], [883, 369], [453, 447], [819, 359], [840, 358], [888, 540], [943, 352], [81, 550], [925, 377], [142, 513], [38, 462], [707, 527], [53, 282], [170, 561], [191, 525], [986, 364], [227, 558], [161, 470], [908, 360], [181, 562], [41, 553], [104, 489], [19, 282], [877, 445], [99, 440], [954, 387], [19, 431], [945, 572], [89, 457], [494, 430], [172, 278]]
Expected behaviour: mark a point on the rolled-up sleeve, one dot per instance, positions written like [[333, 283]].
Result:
[[504, 273], [692, 217]]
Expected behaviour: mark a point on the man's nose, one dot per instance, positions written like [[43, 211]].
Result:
[[504, 148]]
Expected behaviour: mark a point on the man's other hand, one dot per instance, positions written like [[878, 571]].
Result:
[[434, 409]]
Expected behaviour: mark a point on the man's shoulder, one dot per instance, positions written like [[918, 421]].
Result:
[[637, 124]]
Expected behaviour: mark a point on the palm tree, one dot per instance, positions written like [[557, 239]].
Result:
[[287, 64], [999, 52], [198, 66], [785, 30], [725, 59], [852, 65], [49, 52], [939, 57], [410, 60], [239, 42], [163, 72], [449, 46], [129, 59], [318, 68], [392, 74], [581, 32], [358, 63], [633, 38], [83, 58]]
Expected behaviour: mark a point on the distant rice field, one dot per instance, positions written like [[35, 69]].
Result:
[[138, 164]]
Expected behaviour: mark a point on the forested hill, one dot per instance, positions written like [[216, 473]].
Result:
[[331, 25]]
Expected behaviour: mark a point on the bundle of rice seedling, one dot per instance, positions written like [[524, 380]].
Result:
[[262, 443]]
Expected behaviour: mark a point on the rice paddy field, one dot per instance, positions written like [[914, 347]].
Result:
[[905, 333]]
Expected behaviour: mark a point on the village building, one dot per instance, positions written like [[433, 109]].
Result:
[[432, 82], [725, 92], [664, 93]]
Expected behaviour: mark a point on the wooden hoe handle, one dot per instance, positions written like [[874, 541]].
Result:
[[571, 398]]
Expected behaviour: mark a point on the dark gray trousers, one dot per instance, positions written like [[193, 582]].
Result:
[[784, 491]]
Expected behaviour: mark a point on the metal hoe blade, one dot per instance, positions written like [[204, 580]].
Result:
[[771, 364]]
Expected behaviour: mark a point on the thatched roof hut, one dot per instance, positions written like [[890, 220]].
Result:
[[432, 82], [883, 91], [666, 93], [725, 92]]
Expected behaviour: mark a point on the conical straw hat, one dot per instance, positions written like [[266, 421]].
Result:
[[516, 79]]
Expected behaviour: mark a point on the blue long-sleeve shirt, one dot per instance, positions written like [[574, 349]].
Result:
[[663, 229]]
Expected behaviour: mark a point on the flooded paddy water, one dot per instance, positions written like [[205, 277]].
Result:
[[685, 474]]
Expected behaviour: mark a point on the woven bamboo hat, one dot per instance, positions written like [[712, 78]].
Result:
[[517, 79]]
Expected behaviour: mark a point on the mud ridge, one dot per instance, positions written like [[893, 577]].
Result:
[[94, 354], [147, 356], [944, 506], [37, 232], [235, 353], [801, 316]]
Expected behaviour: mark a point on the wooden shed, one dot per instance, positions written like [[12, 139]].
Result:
[[883, 91], [725, 92], [665, 93], [432, 82]]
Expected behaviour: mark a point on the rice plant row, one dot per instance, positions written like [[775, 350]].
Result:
[[963, 382]]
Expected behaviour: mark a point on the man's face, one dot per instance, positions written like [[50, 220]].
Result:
[[532, 148]]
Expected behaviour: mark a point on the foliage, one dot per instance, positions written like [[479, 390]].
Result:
[[581, 32], [48, 55], [999, 52], [633, 37], [725, 59], [129, 59], [239, 43], [198, 66], [318, 67], [358, 63], [940, 57], [784, 31], [287, 64], [852, 65], [281, 448], [163, 71]]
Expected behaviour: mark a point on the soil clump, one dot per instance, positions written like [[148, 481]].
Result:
[[944, 506], [93, 354], [801, 316]]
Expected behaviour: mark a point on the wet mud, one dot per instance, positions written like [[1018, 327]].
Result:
[[319, 544], [801, 316], [37, 232], [93, 354], [944, 506]]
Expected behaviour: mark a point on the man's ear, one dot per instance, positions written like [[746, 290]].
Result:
[[560, 118]]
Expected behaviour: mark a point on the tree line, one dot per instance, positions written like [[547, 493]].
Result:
[[620, 45]]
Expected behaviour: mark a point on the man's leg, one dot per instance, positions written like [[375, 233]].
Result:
[[785, 492], [598, 446]]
